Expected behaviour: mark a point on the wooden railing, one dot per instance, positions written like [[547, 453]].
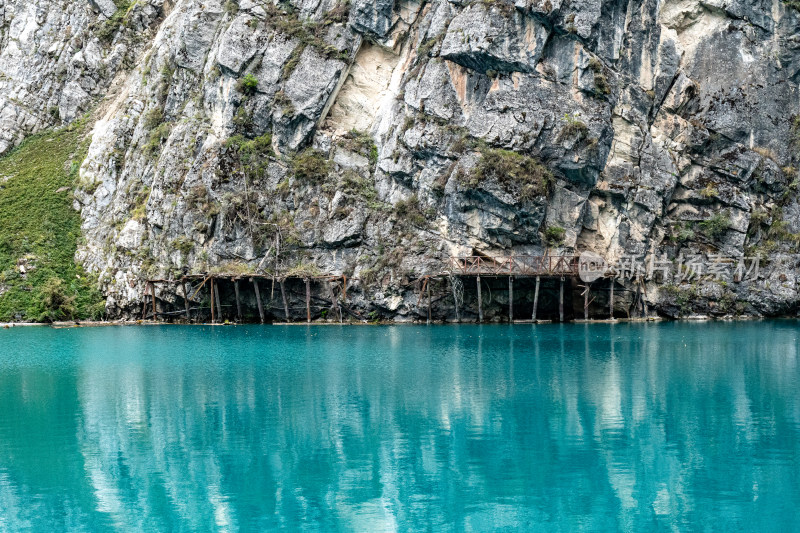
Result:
[[516, 265]]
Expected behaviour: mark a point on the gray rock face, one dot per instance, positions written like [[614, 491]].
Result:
[[106, 7], [56, 59], [627, 127], [494, 37], [372, 16]]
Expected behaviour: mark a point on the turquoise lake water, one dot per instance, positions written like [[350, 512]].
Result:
[[606, 427]]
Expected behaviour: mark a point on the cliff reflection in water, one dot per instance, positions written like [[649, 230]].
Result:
[[409, 428]]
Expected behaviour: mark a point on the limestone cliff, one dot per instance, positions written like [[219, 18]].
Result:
[[377, 139]]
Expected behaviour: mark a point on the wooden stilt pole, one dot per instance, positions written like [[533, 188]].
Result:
[[561, 301], [219, 304], [536, 297], [455, 300], [308, 300], [428, 288], [480, 301], [285, 305], [213, 318], [511, 299], [644, 297], [144, 301], [422, 282], [238, 304], [258, 300], [344, 289], [334, 302], [186, 301], [611, 300], [153, 294], [586, 302]]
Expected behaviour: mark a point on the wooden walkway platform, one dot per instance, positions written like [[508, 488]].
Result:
[[516, 265], [561, 267]]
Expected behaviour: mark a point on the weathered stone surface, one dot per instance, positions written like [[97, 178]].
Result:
[[240, 43], [494, 37], [372, 16], [52, 63], [308, 89], [106, 7]]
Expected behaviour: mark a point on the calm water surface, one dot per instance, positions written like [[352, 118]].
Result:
[[632, 427]]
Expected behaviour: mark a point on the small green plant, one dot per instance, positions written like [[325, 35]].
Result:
[[601, 85], [681, 296], [411, 211], [758, 217], [573, 127], [108, 30], [153, 118], [284, 102], [554, 235], [282, 17], [184, 245], [283, 188], [728, 303], [293, 61], [714, 227], [709, 191], [683, 232], [361, 142], [310, 166], [231, 7], [247, 84], [243, 119], [250, 149], [139, 211], [779, 231], [156, 139], [355, 185], [425, 49]]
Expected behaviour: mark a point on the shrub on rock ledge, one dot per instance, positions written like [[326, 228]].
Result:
[[554, 235], [520, 174], [716, 226], [310, 165], [247, 84]]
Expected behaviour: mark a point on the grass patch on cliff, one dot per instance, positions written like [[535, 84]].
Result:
[[362, 143], [39, 231], [109, 29], [310, 166], [309, 33], [716, 226], [554, 235], [521, 175]]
